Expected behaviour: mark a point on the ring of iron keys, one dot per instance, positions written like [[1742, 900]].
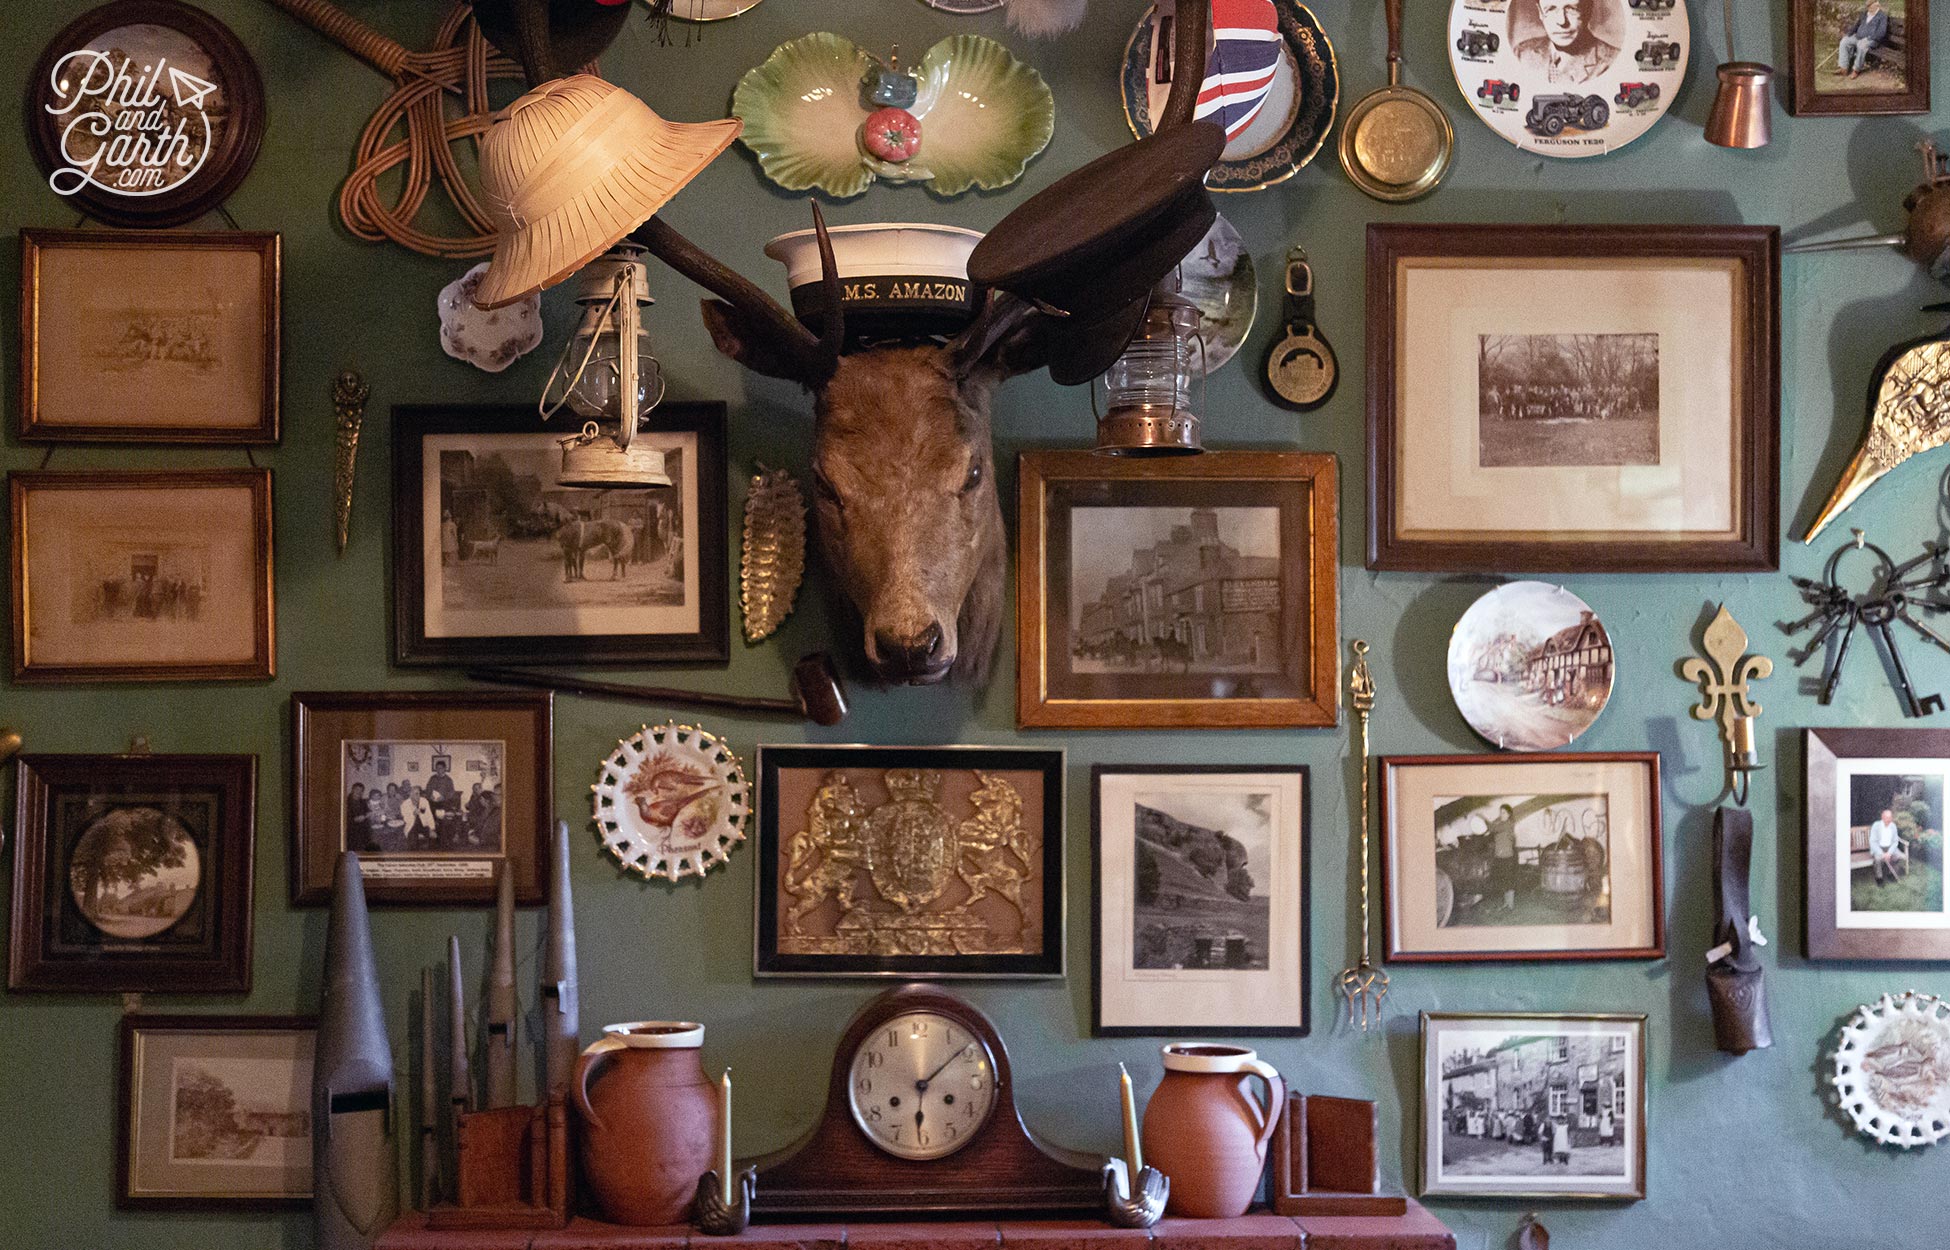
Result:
[[1899, 593], [1300, 366]]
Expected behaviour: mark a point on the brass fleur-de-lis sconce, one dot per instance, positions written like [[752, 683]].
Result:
[[1725, 695]]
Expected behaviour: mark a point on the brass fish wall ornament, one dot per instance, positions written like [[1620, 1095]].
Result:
[[1909, 413], [774, 557], [349, 392]]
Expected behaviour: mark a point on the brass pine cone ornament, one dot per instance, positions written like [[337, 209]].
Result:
[[774, 557]]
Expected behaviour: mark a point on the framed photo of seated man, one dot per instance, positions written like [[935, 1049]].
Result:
[[1856, 58], [1875, 843]]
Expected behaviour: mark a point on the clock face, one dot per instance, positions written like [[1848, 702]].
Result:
[[922, 1085]]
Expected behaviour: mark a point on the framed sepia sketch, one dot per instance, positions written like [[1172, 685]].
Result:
[[215, 1112], [132, 873], [1502, 858], [158, 575], [1533, 1105], [493, 563], [140, 336], [437, 792], [1198, 593], [1874, 829], [1199, 911], [1573, 398], [1856, 58], [909, 862]]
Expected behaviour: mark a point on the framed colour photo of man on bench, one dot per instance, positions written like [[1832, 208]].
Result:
[[1856, 58], [1875, 844]]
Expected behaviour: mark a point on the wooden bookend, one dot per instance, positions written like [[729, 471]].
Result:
[[1325, 1160], [512, 1169]]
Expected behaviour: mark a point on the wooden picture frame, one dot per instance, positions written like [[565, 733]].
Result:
[[1507, 1065], [1439, 900], [1249, 541], [821, 807], [184, 924], [268, 1069], [1899, 81], [495, 807], [140, 336], [1460, 481], [1855, 911], [221, 103], [1202, 957], [168, 594], [468, 614]]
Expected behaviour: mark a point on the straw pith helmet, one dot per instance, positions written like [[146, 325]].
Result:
[[570, 169]]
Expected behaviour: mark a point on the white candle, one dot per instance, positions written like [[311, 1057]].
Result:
[[1133, 1152], [724, 1137]]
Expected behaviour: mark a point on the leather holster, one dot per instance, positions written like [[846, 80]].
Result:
[[1734, 984]]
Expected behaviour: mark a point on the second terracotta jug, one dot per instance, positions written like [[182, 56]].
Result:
[[648, 1115], [1203, 1129]]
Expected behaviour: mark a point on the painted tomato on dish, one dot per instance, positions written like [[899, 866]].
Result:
[[891, 134]]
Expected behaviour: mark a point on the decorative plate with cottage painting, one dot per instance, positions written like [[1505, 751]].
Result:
[[1530, 666]]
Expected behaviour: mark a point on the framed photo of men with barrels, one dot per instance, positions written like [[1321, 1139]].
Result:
[[495, 561]]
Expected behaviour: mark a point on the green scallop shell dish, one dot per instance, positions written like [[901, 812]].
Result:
[[984, 116]]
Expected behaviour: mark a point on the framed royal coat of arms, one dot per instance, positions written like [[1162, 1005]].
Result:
[[909, 862]]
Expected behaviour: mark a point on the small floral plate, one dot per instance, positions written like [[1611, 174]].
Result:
[[489, 339]]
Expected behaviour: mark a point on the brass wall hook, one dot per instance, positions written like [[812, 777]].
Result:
[[1723, 681]]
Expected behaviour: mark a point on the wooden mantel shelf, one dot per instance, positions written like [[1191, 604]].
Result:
[[1417, 1230]]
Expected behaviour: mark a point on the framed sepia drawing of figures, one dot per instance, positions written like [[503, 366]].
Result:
[[1573, 398], [1199, 908], [494, 563], [132, 873], [1874, 828], [1198, 593], [910, 862], [1855, 58]]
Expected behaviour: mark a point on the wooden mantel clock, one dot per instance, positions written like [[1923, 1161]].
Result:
[[921, 1118]]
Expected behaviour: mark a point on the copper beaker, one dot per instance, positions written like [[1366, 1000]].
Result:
[[1740, 116]]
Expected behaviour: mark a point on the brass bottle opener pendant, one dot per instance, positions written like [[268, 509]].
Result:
[[1300, 367]]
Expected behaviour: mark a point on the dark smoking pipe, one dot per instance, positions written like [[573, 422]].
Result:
[[817, 692]]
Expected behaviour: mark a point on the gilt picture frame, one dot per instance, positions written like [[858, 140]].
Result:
[[918, 862], [1631, 428], [1894, 78], [1197, 593], [1870, 897]]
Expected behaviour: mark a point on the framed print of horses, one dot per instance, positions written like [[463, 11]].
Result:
[[494, 563]]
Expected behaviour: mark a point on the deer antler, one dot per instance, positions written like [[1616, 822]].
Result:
[[1193, 22]]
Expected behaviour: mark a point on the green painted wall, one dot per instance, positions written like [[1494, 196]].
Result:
[[1743, 1153]]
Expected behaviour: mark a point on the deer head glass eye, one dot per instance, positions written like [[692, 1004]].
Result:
[[974, 477], [823, 487]]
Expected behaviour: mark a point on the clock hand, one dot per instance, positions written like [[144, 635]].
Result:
[[924, 1082]]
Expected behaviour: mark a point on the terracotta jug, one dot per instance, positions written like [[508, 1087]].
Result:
[[649, 1117], [1203, 1129]]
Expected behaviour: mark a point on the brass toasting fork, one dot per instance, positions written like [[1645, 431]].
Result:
[[1364, 986]]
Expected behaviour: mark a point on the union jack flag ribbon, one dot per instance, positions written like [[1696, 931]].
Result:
[[1245, 59]]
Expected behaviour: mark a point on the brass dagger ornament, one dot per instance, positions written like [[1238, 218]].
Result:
[[1909, 413], [349, 392]]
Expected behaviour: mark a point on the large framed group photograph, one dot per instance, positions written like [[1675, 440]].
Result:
[[1860, 58], [437, 792], [1521, 857], [1199, 912], [1533, 1105], [1874, 829], [909, 861], [495, 563], [1573, 398], [1193, 593]]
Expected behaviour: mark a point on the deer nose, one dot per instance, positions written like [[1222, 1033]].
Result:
[[914, 654]]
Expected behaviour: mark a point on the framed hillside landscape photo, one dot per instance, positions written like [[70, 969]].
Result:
[[1860, 57], [215, 1112], [909, 862], [1199, 912], [132, 873], [494, 563], [1875, 824], [1493, 858], [155, 575], [437, 791], [1573, 398], [1195, 593], [140, 336], [1533, 1105]]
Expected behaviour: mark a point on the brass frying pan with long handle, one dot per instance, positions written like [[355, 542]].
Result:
[[1396, 142]]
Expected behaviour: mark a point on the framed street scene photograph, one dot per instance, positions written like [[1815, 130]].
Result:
[[494, 563], [156, 575], [1199, 911], [1533, 1105], [140, 336], [1860, 57], [1573, 398], [437, 792], [1521, 857], [215, 1112], [909, 862], [1874, 833], [1198, 593], [132, 873]]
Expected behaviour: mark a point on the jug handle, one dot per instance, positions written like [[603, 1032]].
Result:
[[586, 1066], [1275, 1098]]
